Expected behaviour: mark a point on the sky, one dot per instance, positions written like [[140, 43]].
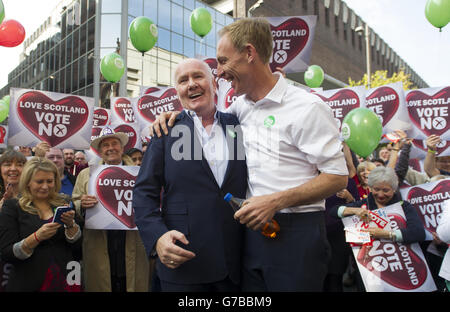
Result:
[[403, 26], [400, 23]]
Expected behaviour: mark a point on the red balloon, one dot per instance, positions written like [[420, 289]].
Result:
[[12, 33]]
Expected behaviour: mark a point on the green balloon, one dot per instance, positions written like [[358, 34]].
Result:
[[112, 67], [361, 130], [143, 33], [314, 76], [6, 98], [4, 110], [201, 21], [437, 12], [2, 11]]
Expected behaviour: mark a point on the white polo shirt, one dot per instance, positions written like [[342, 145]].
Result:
[[289, 136]]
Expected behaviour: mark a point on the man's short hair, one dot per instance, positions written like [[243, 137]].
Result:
[[255, 31]]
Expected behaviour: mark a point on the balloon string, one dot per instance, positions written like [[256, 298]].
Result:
[[142, 73], [438, 57], [202, 39]]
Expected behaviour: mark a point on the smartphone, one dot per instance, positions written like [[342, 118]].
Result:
[[58, 212]]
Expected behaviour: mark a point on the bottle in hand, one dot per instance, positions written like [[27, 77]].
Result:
[[270, 229]]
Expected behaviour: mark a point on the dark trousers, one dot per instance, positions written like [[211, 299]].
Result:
[[296, 260], [225, 285]]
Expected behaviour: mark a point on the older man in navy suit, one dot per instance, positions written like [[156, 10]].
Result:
[[194, 234]]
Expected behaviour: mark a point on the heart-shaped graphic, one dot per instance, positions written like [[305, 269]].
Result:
[[151, 90], [230, 98], [384, 101], [149, 106], [94, 134], [290, 37], [50, 121], [415, 164], [432, 118], [130, 132], [406, 270], [2, 134], [212, 62], [440, 148], [123, 109], [101, 117], [425, 203], [341, 103], [114, 188]]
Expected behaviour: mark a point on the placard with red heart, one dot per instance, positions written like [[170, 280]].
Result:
[[3, 136], [147, 90], [122, 110], [132, 131], [292, 42], [388, 102], [113, 186], [428, 199], [419, 149], [62, 120], [387, 266], [212, 63], [225, 94], [101, 117], [149, 106], [428, 111], [342, 101]]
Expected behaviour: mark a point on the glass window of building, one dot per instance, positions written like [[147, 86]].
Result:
[[112, 6], [151, 10], [177, 19], [110, 30], [135, 7]]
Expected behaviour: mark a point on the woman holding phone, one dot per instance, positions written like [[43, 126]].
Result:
[[39, 248], [11, 165]]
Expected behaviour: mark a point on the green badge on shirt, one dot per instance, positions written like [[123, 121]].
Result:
[[269, 121], [231, 133]]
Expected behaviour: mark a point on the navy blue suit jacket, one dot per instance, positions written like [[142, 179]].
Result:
[[192, 202]]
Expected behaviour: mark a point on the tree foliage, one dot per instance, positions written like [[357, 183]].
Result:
[[380, 78]]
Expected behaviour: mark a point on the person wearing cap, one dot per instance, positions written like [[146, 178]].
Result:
[[194, 235], [113, 260]]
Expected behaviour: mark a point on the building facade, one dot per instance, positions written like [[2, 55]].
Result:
[[64, 54], [68, 60], [337, 47]]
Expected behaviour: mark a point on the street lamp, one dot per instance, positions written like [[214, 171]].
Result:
[[366, 31]]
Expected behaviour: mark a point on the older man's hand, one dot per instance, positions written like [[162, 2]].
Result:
[[88, 201], [160, 123], [171, 255]]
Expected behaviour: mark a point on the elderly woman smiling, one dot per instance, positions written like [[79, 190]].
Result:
[[383, 183]]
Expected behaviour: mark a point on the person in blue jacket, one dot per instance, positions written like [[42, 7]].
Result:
[[194, 234]]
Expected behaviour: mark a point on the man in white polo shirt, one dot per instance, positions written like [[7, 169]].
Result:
[[294, 161]]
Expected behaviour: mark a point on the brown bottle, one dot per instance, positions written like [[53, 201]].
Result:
[[269, 229]]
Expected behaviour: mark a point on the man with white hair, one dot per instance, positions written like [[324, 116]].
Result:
[[113, 260], [194, 235]]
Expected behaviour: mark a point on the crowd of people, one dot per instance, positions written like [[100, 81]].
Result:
[[188, 238]]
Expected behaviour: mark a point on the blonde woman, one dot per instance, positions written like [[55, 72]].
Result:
[[38, 248], [361, 177]]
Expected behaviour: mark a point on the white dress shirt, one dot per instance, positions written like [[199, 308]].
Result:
[[289, 136], [214, 145]]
